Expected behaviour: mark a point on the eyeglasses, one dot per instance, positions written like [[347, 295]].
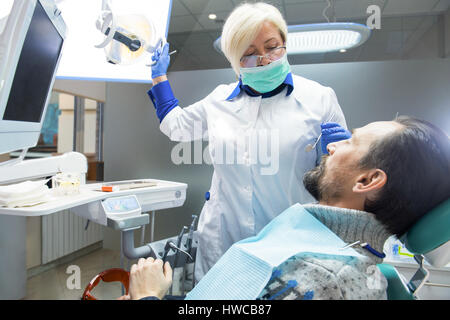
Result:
[[253, 61]]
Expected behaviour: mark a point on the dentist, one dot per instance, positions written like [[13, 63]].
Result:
[[268, 111]]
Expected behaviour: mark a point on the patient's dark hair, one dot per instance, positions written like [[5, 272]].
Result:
[[416, 160]]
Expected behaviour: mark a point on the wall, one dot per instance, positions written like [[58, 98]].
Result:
[[371, 91], [367, 91], [88, 89], [446, 31]]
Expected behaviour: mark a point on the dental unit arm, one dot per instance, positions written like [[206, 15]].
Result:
[[117, 33]]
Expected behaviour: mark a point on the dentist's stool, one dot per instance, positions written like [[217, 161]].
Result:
[[428, 238]]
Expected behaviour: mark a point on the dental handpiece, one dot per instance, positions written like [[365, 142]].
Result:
[[172, 246], [188, 246], [178, 245], [167, 248], [190, 236], [180, 236]]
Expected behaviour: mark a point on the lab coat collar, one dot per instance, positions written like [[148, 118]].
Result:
[[241, 87]]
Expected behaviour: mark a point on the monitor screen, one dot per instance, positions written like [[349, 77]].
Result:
[[34, 73]]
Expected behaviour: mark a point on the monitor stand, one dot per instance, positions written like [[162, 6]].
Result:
[[17, 160]]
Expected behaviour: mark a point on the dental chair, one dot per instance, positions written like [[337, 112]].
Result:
[[428, 239]]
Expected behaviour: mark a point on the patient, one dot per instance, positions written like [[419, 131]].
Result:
[[374, 185]]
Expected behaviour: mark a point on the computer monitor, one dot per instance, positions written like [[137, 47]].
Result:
[[30, 49]]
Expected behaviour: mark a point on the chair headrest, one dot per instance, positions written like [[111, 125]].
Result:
[[431, 232]]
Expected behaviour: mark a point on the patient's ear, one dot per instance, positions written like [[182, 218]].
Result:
[[369, 181]]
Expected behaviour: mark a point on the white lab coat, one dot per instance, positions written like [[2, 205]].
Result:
[[248, 191]]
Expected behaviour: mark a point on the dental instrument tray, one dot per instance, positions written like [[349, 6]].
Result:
[[151, 195]]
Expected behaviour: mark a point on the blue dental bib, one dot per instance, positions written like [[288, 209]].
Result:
[[245, 269]]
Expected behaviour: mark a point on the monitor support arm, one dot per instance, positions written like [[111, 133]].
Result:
[[15, 161]]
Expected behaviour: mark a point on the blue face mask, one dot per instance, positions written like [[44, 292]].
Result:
[[266, 78]]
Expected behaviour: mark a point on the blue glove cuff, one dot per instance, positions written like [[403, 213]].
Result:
[[163, 99], [162, 93]]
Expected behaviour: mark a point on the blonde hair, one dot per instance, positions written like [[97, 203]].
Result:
[[242, 27]]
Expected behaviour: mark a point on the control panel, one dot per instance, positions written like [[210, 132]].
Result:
[[124, 212]]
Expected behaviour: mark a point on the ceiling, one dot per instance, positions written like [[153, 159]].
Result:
[[404, 26]]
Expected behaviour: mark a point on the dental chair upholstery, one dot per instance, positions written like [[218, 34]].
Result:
[[428, 238]]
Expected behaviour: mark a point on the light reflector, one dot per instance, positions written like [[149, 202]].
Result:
[[322, 37], [82, 60], [325, 37]]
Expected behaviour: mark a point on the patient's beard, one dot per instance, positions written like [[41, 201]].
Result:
[[322, 190]]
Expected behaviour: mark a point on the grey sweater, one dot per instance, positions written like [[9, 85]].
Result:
[[317, 276]]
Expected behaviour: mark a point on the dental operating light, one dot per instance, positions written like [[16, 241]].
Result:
[[322, 37], [325, 37], [112, 40]]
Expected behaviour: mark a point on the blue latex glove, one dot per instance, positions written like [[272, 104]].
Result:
[[332, 132], [162, 59]]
